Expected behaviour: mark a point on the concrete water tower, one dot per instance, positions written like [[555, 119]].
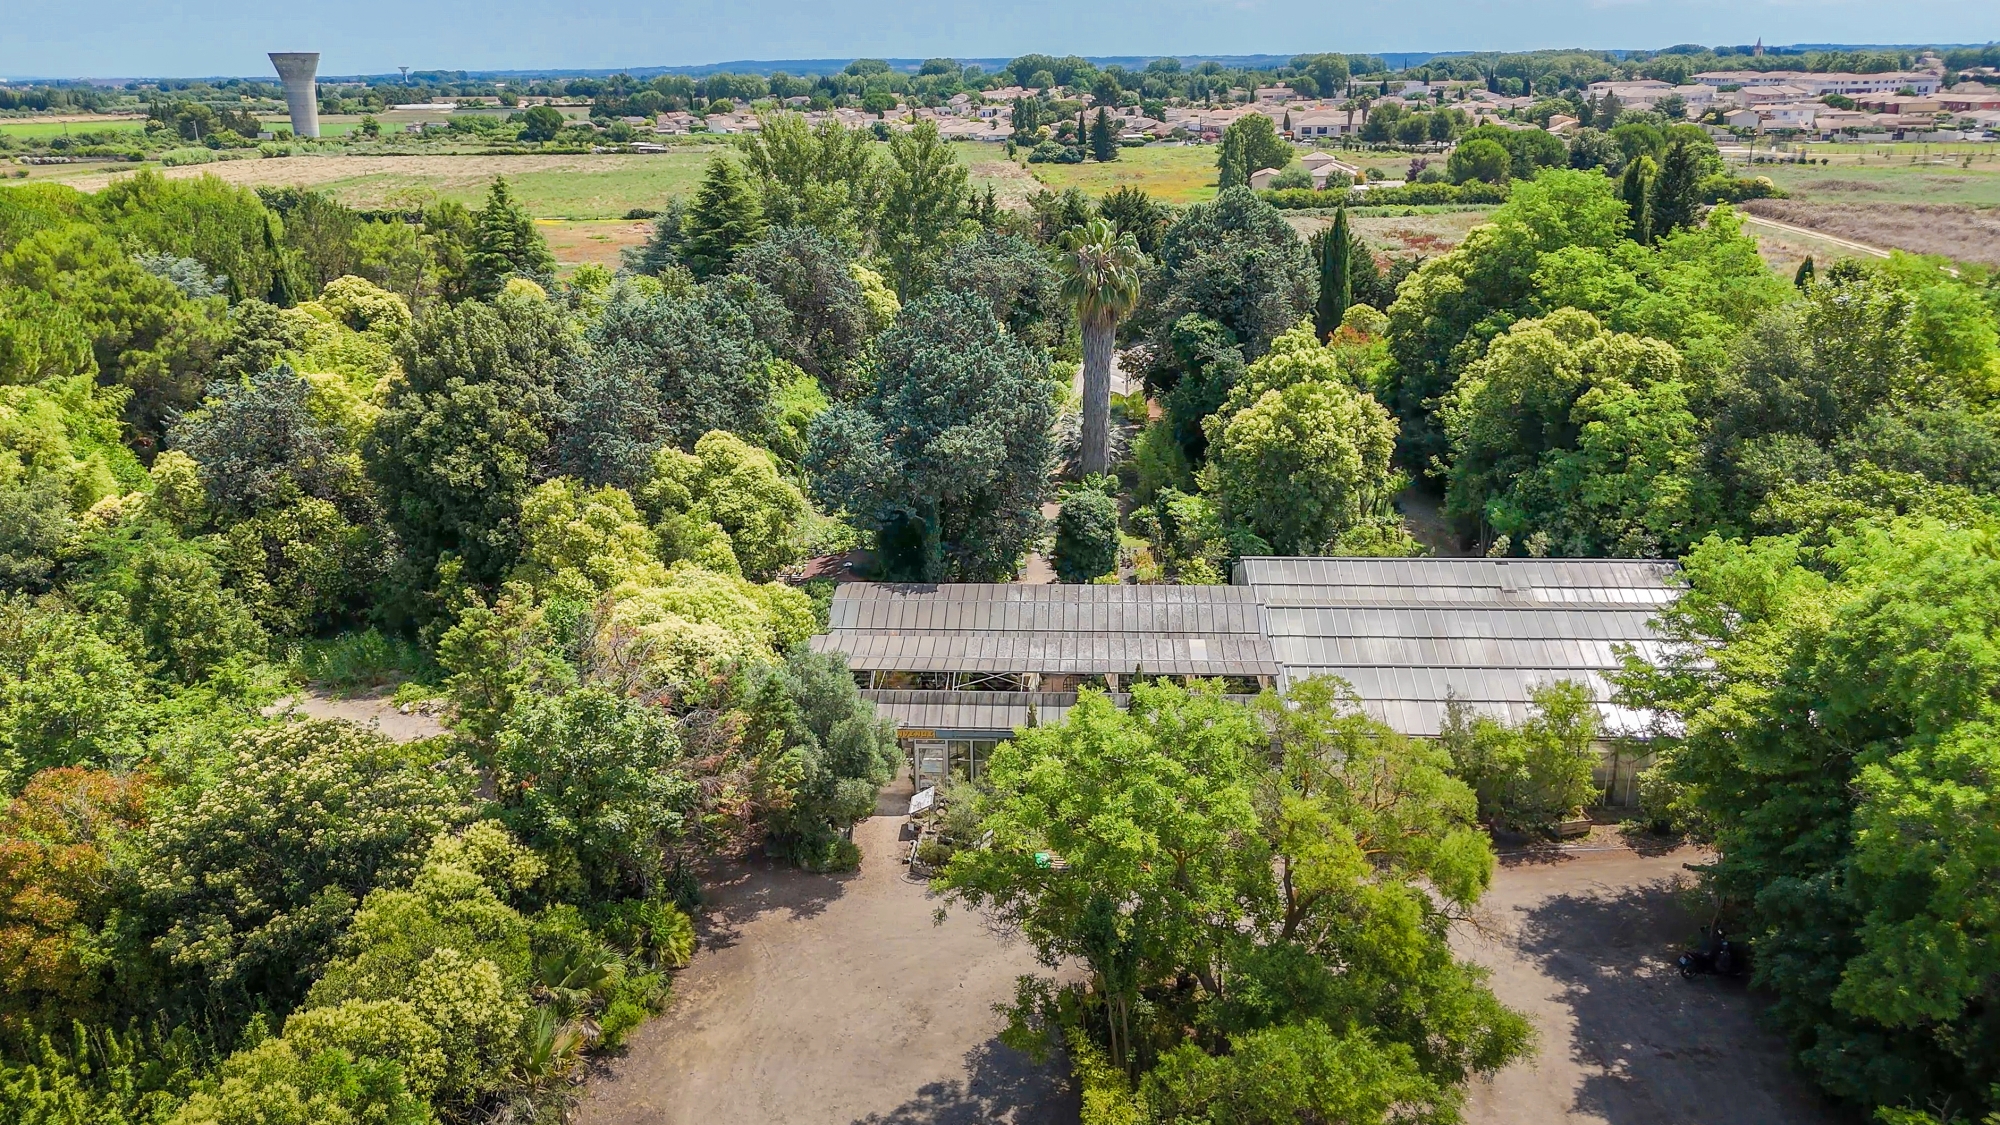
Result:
[[298, 69]]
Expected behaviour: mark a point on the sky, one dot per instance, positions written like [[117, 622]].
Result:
[[189, 38]]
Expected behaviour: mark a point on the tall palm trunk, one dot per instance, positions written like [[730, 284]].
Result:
[[1097, 394]]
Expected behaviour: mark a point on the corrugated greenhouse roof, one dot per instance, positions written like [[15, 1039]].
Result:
[[1058, 629], [1409, 634], [1412, 634]]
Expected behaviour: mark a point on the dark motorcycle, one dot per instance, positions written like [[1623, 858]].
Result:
[[1716, 954]]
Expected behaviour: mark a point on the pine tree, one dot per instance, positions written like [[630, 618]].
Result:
[[505, 243], [1676, 196], [1635, 188], [1103, 138], [725, 218], [1336, 282], [1804, 278]]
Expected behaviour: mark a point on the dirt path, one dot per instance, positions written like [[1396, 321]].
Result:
[[1583, 941], [375, 710], [833, 1000]]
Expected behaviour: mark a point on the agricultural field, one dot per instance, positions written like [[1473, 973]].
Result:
[[1172, 173], [42, 129]]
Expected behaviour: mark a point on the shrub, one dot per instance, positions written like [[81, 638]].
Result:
[[1086, 536]]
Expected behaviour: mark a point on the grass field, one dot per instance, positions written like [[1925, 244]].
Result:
[[41, 130], [575, 242], [1887, 180], [1171, 173]]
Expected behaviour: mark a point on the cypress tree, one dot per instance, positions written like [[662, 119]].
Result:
[[1336, 283], [1635, 187], [1804, 278], [505, 243], [1103, 139], [725, 218], [1676, 196]]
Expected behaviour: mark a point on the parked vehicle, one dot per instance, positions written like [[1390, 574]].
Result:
[[1716, 954]]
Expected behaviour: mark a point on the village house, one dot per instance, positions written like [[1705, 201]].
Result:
[[1818, 85]]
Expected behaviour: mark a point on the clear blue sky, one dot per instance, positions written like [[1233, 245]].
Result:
[[118, 38]]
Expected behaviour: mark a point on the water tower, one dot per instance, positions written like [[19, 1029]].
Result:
[[298, 69]]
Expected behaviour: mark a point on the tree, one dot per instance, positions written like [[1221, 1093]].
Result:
[[1531, 776], [1859, 848], [259, 444], [1103, 137], [505, 243], [830, 322], [1020, 282], [1101, 279], [1803, 279], [677, 364], [1335, 251], [541, 123], [57, 885], [1234, 261], [947, 459], [1635, 187], [1676, 197], [1220, 868], [1577, 434], [1250, 143], [661, 252], [824, 177], [589, 780], [1480, 158], [245, 882], [464, 429], [1302, 458], [1445, 312], [834, 752], [923, 204], [724, 219], [728, 488], [1136, 213], [1086, 536]]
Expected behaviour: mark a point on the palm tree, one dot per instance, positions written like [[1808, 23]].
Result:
[[1101, 278]]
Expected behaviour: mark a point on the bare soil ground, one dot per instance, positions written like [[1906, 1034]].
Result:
[[1583, 940], [1954, 230], [576, 242], [834, 999], [374, 710], [440, 172]]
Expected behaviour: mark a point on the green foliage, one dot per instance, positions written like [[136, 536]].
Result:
[[1857, 850], [726, 498], [823, 177], [826, 755], [244, 881], [724, 219], [1335, 253], [1234, 261], [462, 431], [589, 781], [1018, 280], [1248, 850], [505, 244], [1300, 458], [1581, 436], [1251, 142], [1531, 775], [1086, 536], [830, 321], [67, 695], [1480, 158], [946, 459], [923, 206]]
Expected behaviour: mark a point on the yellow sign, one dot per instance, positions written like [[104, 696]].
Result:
[[906, 732]]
